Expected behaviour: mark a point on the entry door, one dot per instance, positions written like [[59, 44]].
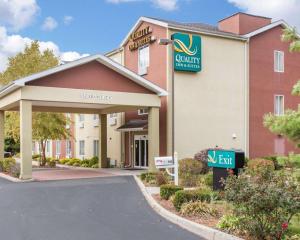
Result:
[[141, 151]]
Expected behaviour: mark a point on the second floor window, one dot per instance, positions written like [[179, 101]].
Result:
[[279, 105], [278, 61], [143, 60]]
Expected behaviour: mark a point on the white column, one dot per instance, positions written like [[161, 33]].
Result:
[[153, 137], [103, 141], [26, 139]]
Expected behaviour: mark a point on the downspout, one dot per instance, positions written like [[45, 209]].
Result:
[[247, 96]]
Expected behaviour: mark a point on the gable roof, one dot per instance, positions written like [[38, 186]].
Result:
[[267, 27], [101, 59], [189, 27]]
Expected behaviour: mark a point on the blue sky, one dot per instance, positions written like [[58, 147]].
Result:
[[74, 28], [99, 26]]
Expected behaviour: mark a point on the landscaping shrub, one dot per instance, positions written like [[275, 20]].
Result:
[[229, 223], [36, 157], [189, 172], [202, 156], [95, 165], [161, 178], [76, 164], [264, 203], [274, 159], [257, 164], [84, 165], [64, 160], [72, 161], [167, 190], [6, 164], [208, 179], [197, 208], [149, 177], [93, 161], [51, 163], [184, 196]]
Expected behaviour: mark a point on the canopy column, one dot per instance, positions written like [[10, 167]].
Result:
[[103, 141], [1, 134], [26, 139], [153, 136]]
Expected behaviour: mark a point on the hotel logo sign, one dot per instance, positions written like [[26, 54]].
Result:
[[221, 159], [187, 52], [141, 38]]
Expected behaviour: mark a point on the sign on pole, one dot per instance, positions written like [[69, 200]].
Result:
[[167, 163]]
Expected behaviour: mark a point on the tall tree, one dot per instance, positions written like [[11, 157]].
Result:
[[45, 125], [288, 125]]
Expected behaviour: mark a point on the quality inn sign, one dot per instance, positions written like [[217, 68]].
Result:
[[187, 52]]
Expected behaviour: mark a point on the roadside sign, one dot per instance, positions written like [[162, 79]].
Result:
[[164, 162], [221, 158], [168, 163]]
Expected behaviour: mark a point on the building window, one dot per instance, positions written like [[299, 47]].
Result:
[[96, 148], [143, 56], [278, 61], [81, 117], [57, 147], [68, 148], [81, 147], [279, 105], [143, 111], [96, 116], [48, 146]]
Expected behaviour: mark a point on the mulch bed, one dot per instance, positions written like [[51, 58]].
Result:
[[209, 221]]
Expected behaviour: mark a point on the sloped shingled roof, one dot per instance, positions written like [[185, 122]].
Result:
[[201, 27]]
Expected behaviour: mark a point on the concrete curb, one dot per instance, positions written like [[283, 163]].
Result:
[[13, 179], [198, 229]]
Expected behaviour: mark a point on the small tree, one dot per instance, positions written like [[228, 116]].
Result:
[[45, 125], [264, 202], [43, 129], [287, 125]]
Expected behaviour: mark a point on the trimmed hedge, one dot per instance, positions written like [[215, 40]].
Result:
[[167, 190], [184, 196]]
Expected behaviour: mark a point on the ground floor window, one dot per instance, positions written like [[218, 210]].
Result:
[[81, 147], [96, 148], [47, 146], [68, 148], [57, 147]]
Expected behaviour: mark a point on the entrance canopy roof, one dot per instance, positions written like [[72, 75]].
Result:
[[88, 85]]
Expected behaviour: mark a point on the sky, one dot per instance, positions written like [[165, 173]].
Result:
[[77, 28]]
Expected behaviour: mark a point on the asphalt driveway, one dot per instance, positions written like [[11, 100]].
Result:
[[107, 208]]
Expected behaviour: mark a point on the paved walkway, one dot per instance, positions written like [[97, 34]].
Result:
[[107, 208]]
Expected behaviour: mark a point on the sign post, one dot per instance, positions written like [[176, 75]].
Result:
[[167, 163]]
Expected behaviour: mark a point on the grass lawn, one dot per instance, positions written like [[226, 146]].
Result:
[[295, 224]]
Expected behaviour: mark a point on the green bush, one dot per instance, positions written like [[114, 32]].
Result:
[[202, 156], [95, 165], [6, 164], [36, 156], [274, 159], [184, 196], [72, 161], [263, 202], [161, 178], [208, 179], [93, 161], [229, 223], [258, 164], [149, 177], [51, 163], [84, 165], [197, 208], [76, 164], [189, 172], [167, 190], [64, 160]]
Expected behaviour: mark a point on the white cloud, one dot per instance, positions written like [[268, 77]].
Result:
[[121, 1], [10, 45], [49, 24], [68, 20], [17, 14], [277, 9], [167, 5]]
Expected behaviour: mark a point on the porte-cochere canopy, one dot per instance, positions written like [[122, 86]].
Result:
[[95, 84]]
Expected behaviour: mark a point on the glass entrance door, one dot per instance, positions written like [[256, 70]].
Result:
[[141, 151]]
